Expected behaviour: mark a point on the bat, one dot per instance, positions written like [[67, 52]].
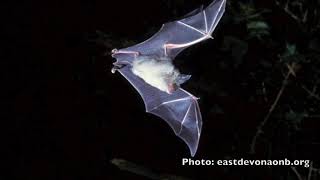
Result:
[[148, 67]]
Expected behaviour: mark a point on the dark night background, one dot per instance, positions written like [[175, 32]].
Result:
[[65, 116]]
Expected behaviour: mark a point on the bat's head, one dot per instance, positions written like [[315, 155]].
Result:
[[175, 82]]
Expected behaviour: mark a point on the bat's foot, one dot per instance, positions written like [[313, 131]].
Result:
[[113, 70], [116, 51]]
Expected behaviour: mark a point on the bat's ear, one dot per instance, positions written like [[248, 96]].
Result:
[[182, 78]]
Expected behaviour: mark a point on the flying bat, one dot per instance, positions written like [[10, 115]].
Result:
[[148, 67]]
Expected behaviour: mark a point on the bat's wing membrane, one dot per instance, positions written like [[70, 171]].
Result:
[[179, 109], [175, 36]]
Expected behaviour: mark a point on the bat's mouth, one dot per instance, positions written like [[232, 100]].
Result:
[[172, 88]]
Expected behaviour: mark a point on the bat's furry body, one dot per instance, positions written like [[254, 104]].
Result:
[[157, 80], [159, 73]]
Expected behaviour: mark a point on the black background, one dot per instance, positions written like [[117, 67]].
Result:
[[66, 116]]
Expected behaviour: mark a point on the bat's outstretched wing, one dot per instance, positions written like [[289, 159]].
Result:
[[179, 109], [175, 36]]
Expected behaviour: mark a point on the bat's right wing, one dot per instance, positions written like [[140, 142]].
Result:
[[175, 36], [179, 109]]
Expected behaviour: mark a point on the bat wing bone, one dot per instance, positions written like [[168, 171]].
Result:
[[116, 51], [169, 46], [118, 65]]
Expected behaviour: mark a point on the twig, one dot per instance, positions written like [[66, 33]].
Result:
[[311, 93], [143, 171], [311, 116], [310, 171], [264, 92], [286, 9], [305, 15], [255, 15], [291, 69], [273, 106], [296, 172], [316, 170], [134, 168]]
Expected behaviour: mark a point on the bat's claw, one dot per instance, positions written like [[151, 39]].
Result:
[[113, 70], [114, 51], [116, 67]]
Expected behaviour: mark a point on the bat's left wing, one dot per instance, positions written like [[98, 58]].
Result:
[[175, 36], [179, 109]]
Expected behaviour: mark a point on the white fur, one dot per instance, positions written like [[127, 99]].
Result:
[[158, 73]]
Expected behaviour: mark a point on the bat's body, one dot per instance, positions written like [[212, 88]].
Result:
[[148, 67]]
